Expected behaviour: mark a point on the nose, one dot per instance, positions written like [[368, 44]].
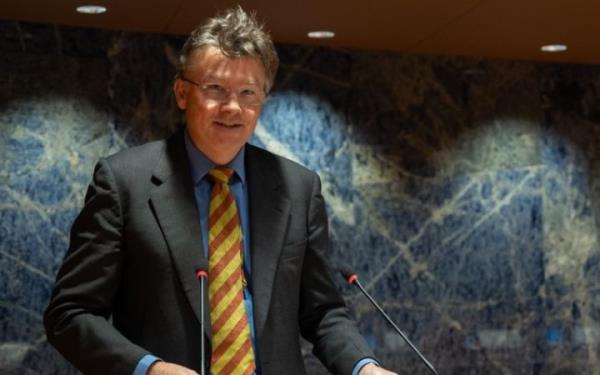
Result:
[[231, 103]]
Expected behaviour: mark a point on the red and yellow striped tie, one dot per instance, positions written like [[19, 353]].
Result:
[[231, 344]]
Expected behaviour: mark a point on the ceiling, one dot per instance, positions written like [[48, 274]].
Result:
[[512, 29]]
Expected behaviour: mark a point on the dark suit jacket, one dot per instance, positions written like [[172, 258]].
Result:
[[132, 259]]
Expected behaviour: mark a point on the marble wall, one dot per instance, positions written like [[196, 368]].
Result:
[[465, 192]]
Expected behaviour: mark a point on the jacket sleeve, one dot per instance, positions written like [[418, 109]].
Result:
[[77, 318], [324, 317]]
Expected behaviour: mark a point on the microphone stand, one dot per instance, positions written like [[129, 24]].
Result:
[[202, 275], [353, 279]]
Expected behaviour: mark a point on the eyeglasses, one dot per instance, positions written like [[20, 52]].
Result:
[[247, 96]]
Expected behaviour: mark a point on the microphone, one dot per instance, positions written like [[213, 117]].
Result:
[[352, 278], [202, 275]]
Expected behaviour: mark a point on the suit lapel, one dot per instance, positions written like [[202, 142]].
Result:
[[173, 203], [174, 207], [269, 215]]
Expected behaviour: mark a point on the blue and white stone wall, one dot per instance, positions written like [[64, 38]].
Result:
[[465, 192]]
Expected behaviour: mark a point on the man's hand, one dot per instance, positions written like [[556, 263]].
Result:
[[165, 368], [371, 369]]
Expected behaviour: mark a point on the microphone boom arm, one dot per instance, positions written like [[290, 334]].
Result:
[[354, 280]]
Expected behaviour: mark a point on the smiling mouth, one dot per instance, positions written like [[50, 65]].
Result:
[[225, 125]]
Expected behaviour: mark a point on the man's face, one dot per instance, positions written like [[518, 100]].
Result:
[[222, 98]]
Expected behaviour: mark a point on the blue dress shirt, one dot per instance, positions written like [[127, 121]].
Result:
[[200, 166]]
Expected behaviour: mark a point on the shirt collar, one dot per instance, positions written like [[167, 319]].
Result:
[[201, 165]]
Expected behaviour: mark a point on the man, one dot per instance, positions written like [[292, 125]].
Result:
[[152, 212]]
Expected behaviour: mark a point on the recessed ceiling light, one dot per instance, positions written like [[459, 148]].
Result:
[[91, 9], [321, 34], [554, 48]]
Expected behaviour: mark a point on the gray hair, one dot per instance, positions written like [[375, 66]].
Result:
[[237, 34]]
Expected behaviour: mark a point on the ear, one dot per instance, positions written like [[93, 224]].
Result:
[[180, 90]]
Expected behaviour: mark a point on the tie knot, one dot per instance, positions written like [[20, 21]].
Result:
[[221, 175]]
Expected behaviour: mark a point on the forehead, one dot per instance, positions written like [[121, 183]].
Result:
[[211, 63]]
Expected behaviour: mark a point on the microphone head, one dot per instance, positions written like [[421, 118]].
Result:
[[347, 273], [201, 268]]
